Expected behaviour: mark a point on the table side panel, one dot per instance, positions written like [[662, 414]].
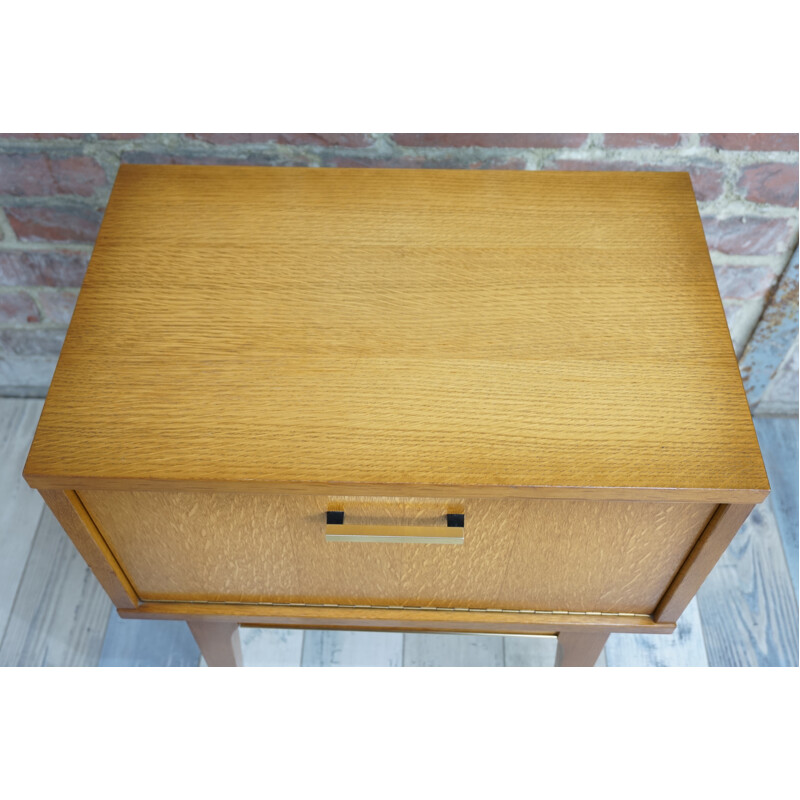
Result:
[[717, 535], [79, 526]]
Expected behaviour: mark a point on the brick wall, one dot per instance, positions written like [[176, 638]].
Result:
[[54, 187]]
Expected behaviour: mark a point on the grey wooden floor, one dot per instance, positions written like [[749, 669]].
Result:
[[53, 612]]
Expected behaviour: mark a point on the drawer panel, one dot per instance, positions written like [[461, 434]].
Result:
[[526, 554]]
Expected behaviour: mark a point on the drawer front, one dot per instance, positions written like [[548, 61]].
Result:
[[517, 554]]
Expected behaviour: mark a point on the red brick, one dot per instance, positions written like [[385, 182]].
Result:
[[17, 308], [41, 136], [770, 183], [743, 282], [36, 175], [520, 140], [424, 162], [325, 139], [642, 139], [60, 224], [750, 141], [32, 341], [58, 306], [706, 177], [747, 235], [706, 181], [37, 268]]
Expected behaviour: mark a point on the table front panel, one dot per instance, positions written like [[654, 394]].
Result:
[[518, 554]]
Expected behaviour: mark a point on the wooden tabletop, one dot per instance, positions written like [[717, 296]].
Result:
[[400, 332]]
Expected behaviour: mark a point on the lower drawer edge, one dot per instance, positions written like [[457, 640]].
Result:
[[399, 619]]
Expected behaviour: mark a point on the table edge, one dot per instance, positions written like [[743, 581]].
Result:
[[751, 496]]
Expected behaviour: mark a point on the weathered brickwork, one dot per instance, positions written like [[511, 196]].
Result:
[[54, 188]]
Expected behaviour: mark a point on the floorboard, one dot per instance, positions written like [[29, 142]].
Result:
[[452, 650], [148, 643], [529, 651], [352, 649], [60, 612], [20, 506], [747, 604], [271, 647], [778, 439], [684, 648]]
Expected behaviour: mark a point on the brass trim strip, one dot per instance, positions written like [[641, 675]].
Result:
[[394, 534], [401, 608]]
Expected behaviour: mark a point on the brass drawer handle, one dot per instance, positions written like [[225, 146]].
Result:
[[337, 531]]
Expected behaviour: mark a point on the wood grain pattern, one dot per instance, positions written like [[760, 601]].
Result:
[[716, 536], [685, 648], [79, 526], [20, 506], [60, 612], [218, 641], [505, 331], [747, 604], [408, 490], [548, 555], [398, 619]]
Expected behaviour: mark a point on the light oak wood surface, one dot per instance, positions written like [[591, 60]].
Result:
[[715, 537], [397, 332], [218, 641], [579, 649], [155, 642], [545, 353], [70, 512], [544, 555], [365, 618]]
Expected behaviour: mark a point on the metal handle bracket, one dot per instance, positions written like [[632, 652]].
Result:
[[337, 531]]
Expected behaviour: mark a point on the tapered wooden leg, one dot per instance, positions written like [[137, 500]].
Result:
[[579, 649], [218, 641]]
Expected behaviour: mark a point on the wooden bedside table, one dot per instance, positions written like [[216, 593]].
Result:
[[399, 400]]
